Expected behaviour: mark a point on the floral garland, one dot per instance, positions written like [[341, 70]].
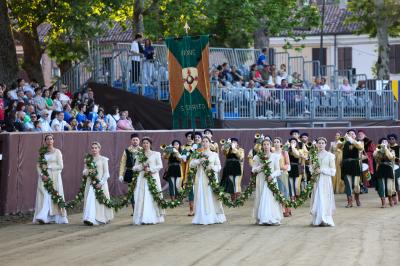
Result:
[[58, 199], [49, 185], [164, 204], [217, 189], [304, 194]]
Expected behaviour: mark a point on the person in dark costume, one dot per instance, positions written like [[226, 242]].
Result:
[[174, 170], [233, 169], [385, 157], [351, 166], [392, 138], [128, 161], [186, 152], [294, 172]]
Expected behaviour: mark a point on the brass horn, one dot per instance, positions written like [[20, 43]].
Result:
[[163, 146], [222, 141], [257, 135]]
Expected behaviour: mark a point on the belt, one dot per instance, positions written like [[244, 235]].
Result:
[[294, 163], [352, 159], [232, 159], [174, 164]]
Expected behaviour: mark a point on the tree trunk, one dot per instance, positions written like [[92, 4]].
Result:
[[138, 26], [65, 66], [8, 54], [261, 39], [382, 25]]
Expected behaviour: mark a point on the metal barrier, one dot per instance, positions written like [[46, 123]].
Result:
[[296, 65], [218, 56], [246, 57], [305, 104], [281, 58], [312, 70]]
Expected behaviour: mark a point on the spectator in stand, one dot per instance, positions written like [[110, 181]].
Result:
[[361, 94], [226, 73], [236, 75], [49, 101], [12, 93], [279, 77], [37, 126], [255, 75], [30, 109], [86, 126], [29, 122], [93, 115], [297, 82], [45, 121], [39, 101], [262, 59], [283, 71], [324, 87], [101, 120], [346, 88], [112, 118], [21, 96], [74, 124], [265, 74], [58, 123], [20, 107], [81, 117], [148, 64], [137, 54], [65, 96], [77, 99], [124, 123], [67, 113], [97, 126], [29, 97], [56, 101], [19, 122]]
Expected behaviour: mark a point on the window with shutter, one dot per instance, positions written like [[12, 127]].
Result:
[[394, 59], [345, 58], [315, 56]]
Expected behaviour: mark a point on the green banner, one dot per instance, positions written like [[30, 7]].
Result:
[[189, 83]]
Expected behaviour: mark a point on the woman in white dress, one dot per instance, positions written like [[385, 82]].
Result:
[[207, 208], [94, 212], [322, 199], [146, 210], [45, 210], [267, 210]]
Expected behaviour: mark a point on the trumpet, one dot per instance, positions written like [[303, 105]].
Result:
[[168, 149], [163, 146], [257, 135], [309, 145], [342, 139], [222, 141]]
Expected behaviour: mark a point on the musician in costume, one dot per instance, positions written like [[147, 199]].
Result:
[[306, 146], [351, 166], [213, 145], [256, 148], [186, 152], [385, 158], [367, 156], [294, 172], [303, 153], [392, 138], [128, 161], [338, 183], [174, 170], [233, 169]]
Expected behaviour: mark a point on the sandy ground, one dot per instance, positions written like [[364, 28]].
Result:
[[367, 235]]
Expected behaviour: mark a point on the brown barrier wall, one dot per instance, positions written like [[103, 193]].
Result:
[[18, 178]]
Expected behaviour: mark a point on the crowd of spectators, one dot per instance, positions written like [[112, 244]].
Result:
[[35, 108]]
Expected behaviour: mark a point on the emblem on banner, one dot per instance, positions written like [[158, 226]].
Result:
[[190, 78]]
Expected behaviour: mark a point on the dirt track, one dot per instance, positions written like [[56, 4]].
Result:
[[363, 236]]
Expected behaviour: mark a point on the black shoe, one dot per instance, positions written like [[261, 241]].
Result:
[[88, 223]]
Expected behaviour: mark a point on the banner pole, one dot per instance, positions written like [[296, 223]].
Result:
[[186, 27]]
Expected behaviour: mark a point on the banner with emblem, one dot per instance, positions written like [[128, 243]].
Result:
[[189, 83]]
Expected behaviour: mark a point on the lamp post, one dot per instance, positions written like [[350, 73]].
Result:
[[321, 44]]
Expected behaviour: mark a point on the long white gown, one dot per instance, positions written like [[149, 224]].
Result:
[[323, 199], [93, 211], [146, 210], [207, 209], [267, 210], [45, 210]]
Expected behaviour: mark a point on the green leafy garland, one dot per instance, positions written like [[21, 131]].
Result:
[[304, 194], [217, 189], [157, 195], [116, 204]]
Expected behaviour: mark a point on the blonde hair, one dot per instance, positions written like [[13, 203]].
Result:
[[96, 143]]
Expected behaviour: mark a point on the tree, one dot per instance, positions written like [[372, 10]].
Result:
[[8, 56], [380, 19]]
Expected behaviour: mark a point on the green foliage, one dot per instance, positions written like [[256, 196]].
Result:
[[365, 14]]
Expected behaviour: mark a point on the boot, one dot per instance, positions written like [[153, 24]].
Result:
[[191, 211], [391, 201], [357, 197], [383, 201], [349, 202]]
